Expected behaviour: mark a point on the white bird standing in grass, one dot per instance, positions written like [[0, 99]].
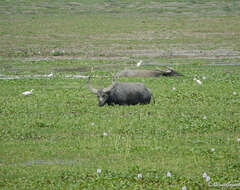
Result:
[[139, 63], [199, 82], [27, 92], [51, 74]]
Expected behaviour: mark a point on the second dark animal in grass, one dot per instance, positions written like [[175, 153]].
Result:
[[122, 93], [148, 73]]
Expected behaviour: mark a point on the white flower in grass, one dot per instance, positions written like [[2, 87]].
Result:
[[184, 188], [238, 140], [204, 175], [234, 93], [213, 149], [105, 134], [173, 88], [204, 78], [199, 82], [139, 176], [99, 171], [63, 51], [208, 179], [195, 78], [169, 174], [204, 117], [92, 124]]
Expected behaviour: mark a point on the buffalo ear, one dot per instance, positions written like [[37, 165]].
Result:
[[93, 90]]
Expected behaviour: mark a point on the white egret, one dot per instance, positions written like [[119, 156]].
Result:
[[50, 75], [139, 63], [27, 92], [199, 82]]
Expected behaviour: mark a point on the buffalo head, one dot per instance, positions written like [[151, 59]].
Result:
[[102, 94]]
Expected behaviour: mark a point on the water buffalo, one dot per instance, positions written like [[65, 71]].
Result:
[[122, 93], [147, 73]]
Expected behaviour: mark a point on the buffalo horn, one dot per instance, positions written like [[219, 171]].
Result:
[[93, 90], [111, 86]]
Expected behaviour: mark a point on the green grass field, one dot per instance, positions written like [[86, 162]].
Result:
[[58, 138]]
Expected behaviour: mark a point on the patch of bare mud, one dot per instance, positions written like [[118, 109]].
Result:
[[192, 8], [138, 35], [105, 67], [38, 58], [223, 64], [160, 5], [10, 77], [147, 53], [208, 54], [192, 54], [76, 69]]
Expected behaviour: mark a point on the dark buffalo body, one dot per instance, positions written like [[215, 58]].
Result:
[[138, 73], [129, 94], [147, 73], [122, 93]]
